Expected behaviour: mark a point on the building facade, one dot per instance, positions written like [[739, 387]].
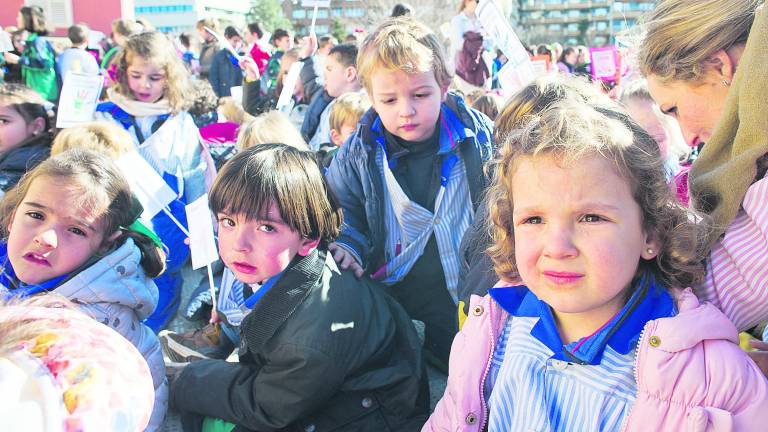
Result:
[[584, 22], [349, 14], [176, 16], [61, 14]]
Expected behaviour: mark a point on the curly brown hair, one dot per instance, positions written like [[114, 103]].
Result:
[[571, 130], [155, 48]]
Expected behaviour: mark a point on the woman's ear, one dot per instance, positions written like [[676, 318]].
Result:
[[650, 247], [308, 245], [723, 64]]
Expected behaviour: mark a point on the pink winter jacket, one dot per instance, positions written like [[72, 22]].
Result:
[[691, 374]]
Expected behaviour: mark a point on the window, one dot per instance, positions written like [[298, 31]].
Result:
[[600, 12], [58, 12], [299, 13], [554, 27], [336, 12], [602, 25], [321, 13]]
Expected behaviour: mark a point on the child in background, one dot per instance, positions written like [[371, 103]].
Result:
[[225, 71], [346, 113], [259, 54], [410, 177], [68, 228], [102, 137], [188, 56], [25, 132], [320, 348], [340, 77], [270, 127], [281, 41], [150, 100], [62, 371], [593, 251], [488, 104], [122, 30], [77, 59], [38, 61]]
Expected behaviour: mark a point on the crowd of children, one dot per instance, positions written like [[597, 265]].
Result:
[[542, 252]]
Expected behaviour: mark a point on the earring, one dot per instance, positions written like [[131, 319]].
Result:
[[726, 83], [649, 251]]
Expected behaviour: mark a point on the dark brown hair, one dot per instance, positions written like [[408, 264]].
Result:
[[287, 176]]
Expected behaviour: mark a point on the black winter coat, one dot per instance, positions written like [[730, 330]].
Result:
[[320, 351], [16, 162]]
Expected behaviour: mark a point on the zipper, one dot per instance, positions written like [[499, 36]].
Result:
[[634, 370], [485, 412]]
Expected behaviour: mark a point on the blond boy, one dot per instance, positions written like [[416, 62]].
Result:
[[417, 143]]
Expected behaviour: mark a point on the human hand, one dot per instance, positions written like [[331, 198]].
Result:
[[173, 370], [310, 45], [345, 259], [250, 68], [760, 357]]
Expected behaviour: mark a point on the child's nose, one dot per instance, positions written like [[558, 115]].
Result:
[[407, 108], [558, 242], [48, 239], [242, 242]]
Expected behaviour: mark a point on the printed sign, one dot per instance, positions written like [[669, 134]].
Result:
[[604, 63], [201, 239], [79, 96], [146, 184], [518, 71], [540, 65], [316, 3]]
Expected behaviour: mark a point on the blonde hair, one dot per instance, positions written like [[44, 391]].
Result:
[[681, 35], [402, 44], [233, 111], [348, 109], [125, 27], [570, 131], [488, 104], [270, 127], [155, 48], [102, 137]]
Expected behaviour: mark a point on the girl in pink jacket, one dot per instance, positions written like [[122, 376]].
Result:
[[593, 334]]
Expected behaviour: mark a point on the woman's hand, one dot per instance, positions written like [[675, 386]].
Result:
[[345, 259]]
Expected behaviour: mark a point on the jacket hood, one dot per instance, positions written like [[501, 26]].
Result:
[[36, 147], [117, 278]]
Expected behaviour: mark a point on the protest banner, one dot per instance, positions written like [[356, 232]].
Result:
[[79, 97], [201, 241], [284, 102]]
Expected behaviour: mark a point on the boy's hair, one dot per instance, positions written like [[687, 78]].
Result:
[[487, 104], [104, 137], [185, 40], [125, 27], [78, 33], [101, 189], [348, 109], [325, 40], [33, 20], [230, 32], [401, 9], [571, 130], [402, 44], [254, 27], [256, 177], [211, 23], [25, 101], [269, 127], [204, 100], [278, 34], [155, 48], [345, 54]]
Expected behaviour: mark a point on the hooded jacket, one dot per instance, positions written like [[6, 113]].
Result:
[[16, 162], [690, 373]]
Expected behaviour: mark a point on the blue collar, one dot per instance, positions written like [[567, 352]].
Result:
[[19, 289], [251, 301], [621, 333]]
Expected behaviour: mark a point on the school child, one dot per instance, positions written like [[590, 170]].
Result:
[[346, 113], [340, 76], [25, 132], [122, 30], [69, 228], [320, 349], [269, 127], [38, 59], [488, 104], [102, 137], [62, 371], [259, 53], [76, 58], [225, 71], [282, 42], [150, 100], [591, 324], [411, 176]]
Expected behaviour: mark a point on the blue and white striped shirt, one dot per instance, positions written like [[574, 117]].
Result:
[[536, 383]]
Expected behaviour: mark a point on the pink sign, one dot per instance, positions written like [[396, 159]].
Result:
[[605, 63]]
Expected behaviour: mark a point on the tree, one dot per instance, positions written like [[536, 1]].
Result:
[[338, 29], [269, 14]]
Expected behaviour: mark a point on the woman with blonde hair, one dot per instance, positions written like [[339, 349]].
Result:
[[705, 65]]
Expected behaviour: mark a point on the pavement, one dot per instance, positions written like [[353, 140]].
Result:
[[192, 279]]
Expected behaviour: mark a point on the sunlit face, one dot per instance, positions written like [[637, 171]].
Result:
[[647, 115], [257, 249], [48, 236], [146, 81], [578, 235], [335, 77], [340, 137], [470, 6], [284, 43], [696, 106], [14, 129], [408, 104]]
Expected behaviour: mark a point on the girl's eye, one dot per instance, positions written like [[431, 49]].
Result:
[[227, 222], [267, 228], [36, 215], [156, 77], [421, 95], [533, 220], [77, 231], [592, 218], [671, 111]]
